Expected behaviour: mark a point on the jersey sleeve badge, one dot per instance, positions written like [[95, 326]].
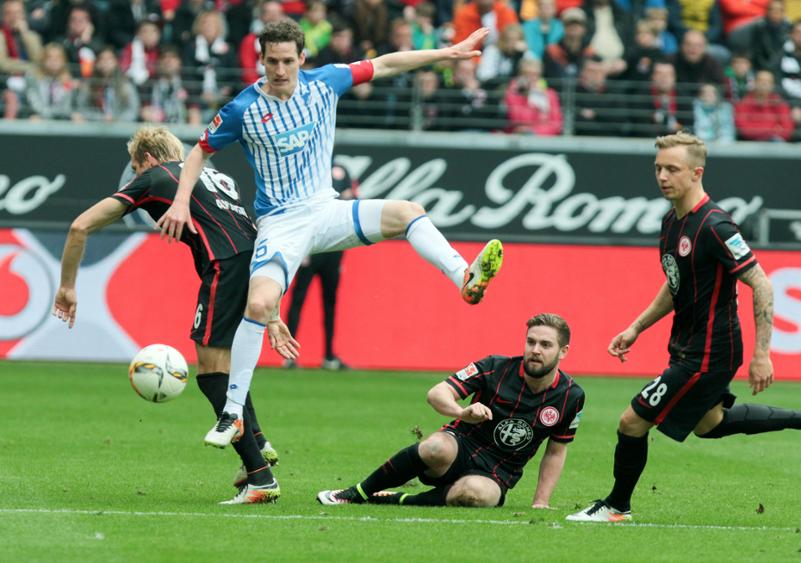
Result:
[[466, 373], [737, 246], [575, 422], [215, 123]]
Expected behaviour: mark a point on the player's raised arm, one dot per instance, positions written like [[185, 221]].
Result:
[[553, 460], [177, 216], [659, 307], [93, 219], [404, 61], [760, 371]]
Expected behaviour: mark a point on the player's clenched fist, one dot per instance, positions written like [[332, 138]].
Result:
[[475, 413]]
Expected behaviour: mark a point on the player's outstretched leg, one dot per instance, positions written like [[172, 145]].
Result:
[[481, 271], [400, 468], [754, 419]]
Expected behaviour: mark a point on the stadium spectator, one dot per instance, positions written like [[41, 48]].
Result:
[[469, 461], [768, 36], [430, 101], [495, 15], [713, 117], [466, 105], [81, 42], [532, 107], [665, 39], [739, 77], [165, 99], [185, 17], [658, 108], [546, 29], [140, 57], [739, 17], [763, 115], [424, 34], [563, 60], [642, 55], [327, 268], [341, 49], [20, 47], [371, 25], [321, 223], [59, 13], [692, 394], [316, 27], [221, 257], [499, 62], [599, 107], [125, 16], [249, 49], [703, 16], [50, 88], [694, 65], [397, 89], [210, 64], [108, 95], [790, 73], [608, 34]]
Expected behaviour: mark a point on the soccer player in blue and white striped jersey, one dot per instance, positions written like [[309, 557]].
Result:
[[285, 124]]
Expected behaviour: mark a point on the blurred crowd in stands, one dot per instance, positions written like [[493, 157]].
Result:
[[726, 69]]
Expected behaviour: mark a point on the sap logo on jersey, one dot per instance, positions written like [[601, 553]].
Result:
[[294, 140]]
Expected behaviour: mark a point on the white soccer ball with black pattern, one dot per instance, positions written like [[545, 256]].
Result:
[[158, 373]]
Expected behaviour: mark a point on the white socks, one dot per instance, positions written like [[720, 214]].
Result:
[[245, 353], [429, 243]]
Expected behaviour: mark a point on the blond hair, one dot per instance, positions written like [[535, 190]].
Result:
[[158, 141], [696, 149]]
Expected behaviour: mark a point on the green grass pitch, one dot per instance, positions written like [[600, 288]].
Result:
[[91, 472]]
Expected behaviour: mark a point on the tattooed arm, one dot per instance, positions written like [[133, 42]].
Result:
[[760, 372]]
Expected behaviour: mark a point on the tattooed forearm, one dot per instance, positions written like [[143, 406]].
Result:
[[763, 307]]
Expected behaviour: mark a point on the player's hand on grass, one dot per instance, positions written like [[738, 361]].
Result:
[[760, 374], [541, 505], [173, 221], [65, 305], [621, 344], [467, 48], [281, 340], [476, 413]]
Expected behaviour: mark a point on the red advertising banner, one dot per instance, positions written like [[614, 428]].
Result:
[[394, 310]]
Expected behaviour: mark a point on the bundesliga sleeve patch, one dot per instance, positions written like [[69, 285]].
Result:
[[215, 123], [575, 423], [737, 246], [466, 373]]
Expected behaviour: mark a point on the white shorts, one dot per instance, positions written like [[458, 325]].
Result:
[[285, 239]]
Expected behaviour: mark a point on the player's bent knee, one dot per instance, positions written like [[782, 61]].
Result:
[[437, 450], [413, 210], [476, 492], [632, 424]]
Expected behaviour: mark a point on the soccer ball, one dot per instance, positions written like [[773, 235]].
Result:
[[158, 373]]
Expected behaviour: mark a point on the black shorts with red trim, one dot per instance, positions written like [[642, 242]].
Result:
[[471, 461], [221, 300], [677, 400]]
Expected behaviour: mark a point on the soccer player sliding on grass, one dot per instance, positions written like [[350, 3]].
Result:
[[475, 459], [703, 255], [285, 122]]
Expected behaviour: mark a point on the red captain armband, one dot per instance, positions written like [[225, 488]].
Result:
[[362, 71], [203, 141]]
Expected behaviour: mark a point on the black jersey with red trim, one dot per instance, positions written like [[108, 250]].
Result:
[[702, 255], [224, 228], [521, 419]]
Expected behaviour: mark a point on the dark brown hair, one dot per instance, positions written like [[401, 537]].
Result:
[[554, 321], [284, 31]]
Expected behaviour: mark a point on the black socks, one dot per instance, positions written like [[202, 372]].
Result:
[[754, 419], [631, 454], [400, 468]]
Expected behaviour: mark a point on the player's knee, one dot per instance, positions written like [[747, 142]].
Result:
[[435, 451], [631, 424], [260, 309], [469, 495], [413, 210]]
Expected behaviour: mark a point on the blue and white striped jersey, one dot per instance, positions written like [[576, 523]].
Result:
[[289, 144]]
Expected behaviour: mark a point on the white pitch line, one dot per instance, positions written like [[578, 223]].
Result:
[[411, 520]]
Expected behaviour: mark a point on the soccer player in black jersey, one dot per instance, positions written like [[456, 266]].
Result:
[[703, 255], [221, 250], [475, 459]]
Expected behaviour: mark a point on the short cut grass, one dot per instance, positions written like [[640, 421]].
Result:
[[158, 141], [696, 149]]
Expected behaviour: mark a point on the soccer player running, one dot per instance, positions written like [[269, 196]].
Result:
[[221, 244], [474, 460], [285, 123], [703, 255]]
